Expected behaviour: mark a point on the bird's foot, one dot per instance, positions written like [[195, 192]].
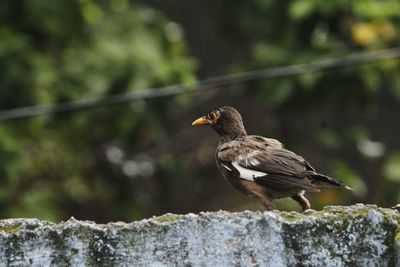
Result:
[[308, 211]]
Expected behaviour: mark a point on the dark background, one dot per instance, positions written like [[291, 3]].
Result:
[[142, 158]]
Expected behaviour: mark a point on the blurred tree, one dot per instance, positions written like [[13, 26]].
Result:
[[55, 51]]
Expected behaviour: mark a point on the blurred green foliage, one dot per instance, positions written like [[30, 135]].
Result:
[[122, 162], [56, 51], [392, 168]]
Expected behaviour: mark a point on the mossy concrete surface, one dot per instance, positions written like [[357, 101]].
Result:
[[357, 235]]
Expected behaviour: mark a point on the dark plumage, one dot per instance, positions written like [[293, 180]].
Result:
[[261, 167]]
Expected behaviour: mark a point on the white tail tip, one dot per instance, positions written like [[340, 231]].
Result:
[[348, 188]]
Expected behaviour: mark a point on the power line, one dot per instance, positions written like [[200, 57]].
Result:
[[149, 93]]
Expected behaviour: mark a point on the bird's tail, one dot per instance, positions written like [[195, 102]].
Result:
[[321, 179]]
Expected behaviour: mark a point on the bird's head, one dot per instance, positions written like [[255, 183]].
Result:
[[227, 121]]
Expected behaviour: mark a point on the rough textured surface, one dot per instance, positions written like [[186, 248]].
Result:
[[336, 236]]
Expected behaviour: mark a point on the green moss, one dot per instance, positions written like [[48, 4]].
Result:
[[397, 238], [167, 218], [362, 213], [338, 217], [291, 217], [10, 229]]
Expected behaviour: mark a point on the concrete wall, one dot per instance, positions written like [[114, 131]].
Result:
[[336, 236]]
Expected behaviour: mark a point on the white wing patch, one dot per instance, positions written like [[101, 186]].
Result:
[[250, 159], [226, 167], [253, 161], [247, 174]]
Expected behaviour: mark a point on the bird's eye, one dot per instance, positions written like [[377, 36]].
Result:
[[211, 116]]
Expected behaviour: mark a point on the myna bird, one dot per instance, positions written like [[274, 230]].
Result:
[[261, 167]]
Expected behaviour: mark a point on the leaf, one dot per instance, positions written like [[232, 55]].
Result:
[[391, 168], [301, 9]]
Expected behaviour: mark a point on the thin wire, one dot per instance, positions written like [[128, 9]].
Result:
[[149, 93]]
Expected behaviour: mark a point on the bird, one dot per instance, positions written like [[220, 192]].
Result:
[[261, 167]]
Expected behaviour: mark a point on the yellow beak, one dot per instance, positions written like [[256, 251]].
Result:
[[202, 121]]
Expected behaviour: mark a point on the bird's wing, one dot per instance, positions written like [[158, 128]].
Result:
[[264, 141], [270, 165], [274, 160]]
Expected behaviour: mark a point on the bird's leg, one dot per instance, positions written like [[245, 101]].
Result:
[[304, 203]]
